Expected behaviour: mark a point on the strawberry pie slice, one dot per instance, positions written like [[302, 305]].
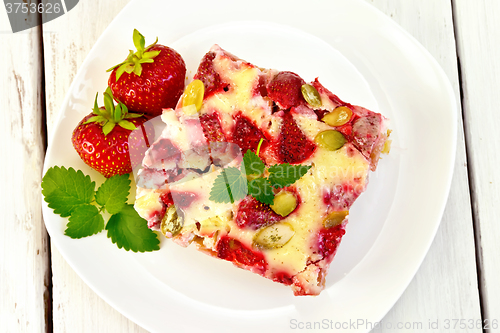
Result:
[[257, 167]]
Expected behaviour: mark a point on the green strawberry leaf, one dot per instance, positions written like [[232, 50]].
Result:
[[85, 220], [113, 193], [229, 186], [139, 40], [150, 55], [108, 127], [261, 189], [96, 119], [108, 102], [65, 189], [283, 175], [128, 230], [127, 125], [133, 115], [117, 114]]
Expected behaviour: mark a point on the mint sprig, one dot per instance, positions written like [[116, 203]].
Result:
[[283, 175], [229, 186], [84, 221], [65, 189], [113, 193], [234, 184], [128, 230], [72, 194]]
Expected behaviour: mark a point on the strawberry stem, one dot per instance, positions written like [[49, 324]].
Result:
[[134, 60], [110, 115], [258, 147]]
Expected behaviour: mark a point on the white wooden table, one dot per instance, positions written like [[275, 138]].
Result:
[[459, 278]]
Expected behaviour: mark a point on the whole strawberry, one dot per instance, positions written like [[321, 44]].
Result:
[[150, 79], [110, 138]]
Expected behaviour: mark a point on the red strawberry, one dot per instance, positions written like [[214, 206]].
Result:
[[110, 138], [207, 74], [150, 79], [246, 135], [284, 89], [210, 122], [293, 146], [329, 239], [221, 152], [255, 214], [233, 250]]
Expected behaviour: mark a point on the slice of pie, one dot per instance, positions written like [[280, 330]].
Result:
[[284, 121]]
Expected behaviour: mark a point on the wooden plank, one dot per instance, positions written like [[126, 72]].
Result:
[[445, 286], [24, 255], [478, 36], [67, 40]]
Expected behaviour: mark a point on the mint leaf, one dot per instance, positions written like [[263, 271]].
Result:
[[253, 164], [283, 175], [261, 189], [65, 189], [113, 193], [229, 186], [85, 220], [130, 231]]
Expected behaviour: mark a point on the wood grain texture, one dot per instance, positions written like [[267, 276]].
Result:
[[67, 40], [478, 36], [445, 287], [24, 256]]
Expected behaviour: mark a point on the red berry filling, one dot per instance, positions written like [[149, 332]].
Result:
[[210, 78], [165, 150], [283, 277], [183, 199], [246, 134], [322, 90], [329, 239], [233, 250], [341, 197], [365, 131], [167, 199], [254, 214], [293, 147], [212, 128]]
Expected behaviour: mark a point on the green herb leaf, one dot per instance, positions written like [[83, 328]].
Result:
[[283, 175], [229, 186], [252, 164], [113, 193], [130, 231], [261, 189], [65, 189], [84, 221]]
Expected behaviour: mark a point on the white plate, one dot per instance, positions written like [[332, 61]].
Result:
[[359, 54]]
